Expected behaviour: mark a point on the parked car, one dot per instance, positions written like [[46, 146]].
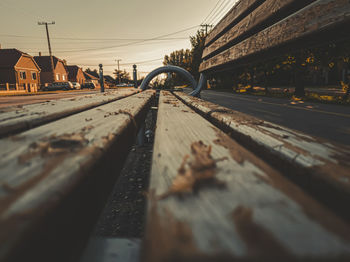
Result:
[[88, 85], [76, 85], [59, 86]]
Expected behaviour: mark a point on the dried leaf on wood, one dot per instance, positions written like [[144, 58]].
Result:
[[198, 167]]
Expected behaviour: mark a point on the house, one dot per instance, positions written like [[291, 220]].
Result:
[[18, 71], [75, 74], [110, 81], [92, 79], [47, 76]]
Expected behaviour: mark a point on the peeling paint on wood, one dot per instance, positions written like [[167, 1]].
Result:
[[318, 160], [315, 18], [232, 17], [42, 169], [202, 225], [14, 120]]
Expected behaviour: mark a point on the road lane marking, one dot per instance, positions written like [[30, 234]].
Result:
[[266, 112], [294, 107]]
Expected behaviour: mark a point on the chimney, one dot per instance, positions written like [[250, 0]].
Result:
[[39, 53]]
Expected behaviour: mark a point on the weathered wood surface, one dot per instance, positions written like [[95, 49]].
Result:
[[245, 210], [317, 17], [321, 165], [55, 178], [262, 17], [20, 118], [238, 11]]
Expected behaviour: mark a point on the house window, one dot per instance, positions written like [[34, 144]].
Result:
[[57, 77], [22, 75], [33, 75], [63, 77]]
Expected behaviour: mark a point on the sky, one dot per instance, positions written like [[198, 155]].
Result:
[[90, 32]]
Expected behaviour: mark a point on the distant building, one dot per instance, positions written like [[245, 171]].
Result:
[[18, 71], [75, 74], [109, 81], [47, 76], [91, 79]]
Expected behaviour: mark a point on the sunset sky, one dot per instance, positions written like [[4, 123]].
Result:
[[89, 32]]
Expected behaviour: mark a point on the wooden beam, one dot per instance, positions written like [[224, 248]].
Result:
[[212, 200], [318, 17], [241, 9], [321, 166], [20, 118], [55, 179], [263, 16]]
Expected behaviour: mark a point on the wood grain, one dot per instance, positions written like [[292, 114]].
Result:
[[238, 11], [262, 17], [20, 118], [246, 211], [55, 178], [320, 165], [318, 17]]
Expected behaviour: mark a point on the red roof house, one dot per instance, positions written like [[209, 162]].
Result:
[[18, 71], [75, 74], [59, 74]]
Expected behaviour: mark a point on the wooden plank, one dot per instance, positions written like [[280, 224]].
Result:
[[318, 17], [240, 208], [20, 118], [321, 166], [238, 11], [263, 16], [55, 178]]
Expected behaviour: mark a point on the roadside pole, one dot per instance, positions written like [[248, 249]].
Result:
[[135, 76], [49, 45], [101, 78]]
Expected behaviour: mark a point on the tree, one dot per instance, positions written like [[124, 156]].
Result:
[[123, 75], [197, 43], [187, 59], [92, 72], [181, 58]]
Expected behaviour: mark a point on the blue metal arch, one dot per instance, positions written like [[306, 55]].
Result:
[[175, 69]]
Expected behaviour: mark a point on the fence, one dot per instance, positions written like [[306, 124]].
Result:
[[18, 87]]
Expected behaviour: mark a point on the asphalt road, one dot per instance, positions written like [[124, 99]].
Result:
[[17, 100], [323, 120]]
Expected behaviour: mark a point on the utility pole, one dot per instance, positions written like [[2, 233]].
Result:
[[49, 44], [118, 60], [206, 26]]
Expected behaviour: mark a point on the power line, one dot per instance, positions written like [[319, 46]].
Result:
[[219, 12], [222, 14], [213, 15], [210, 18], [230, 5], [132, 43], [92, 39], [143, 62], [211, 11], [65, 49], [126, 64]]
